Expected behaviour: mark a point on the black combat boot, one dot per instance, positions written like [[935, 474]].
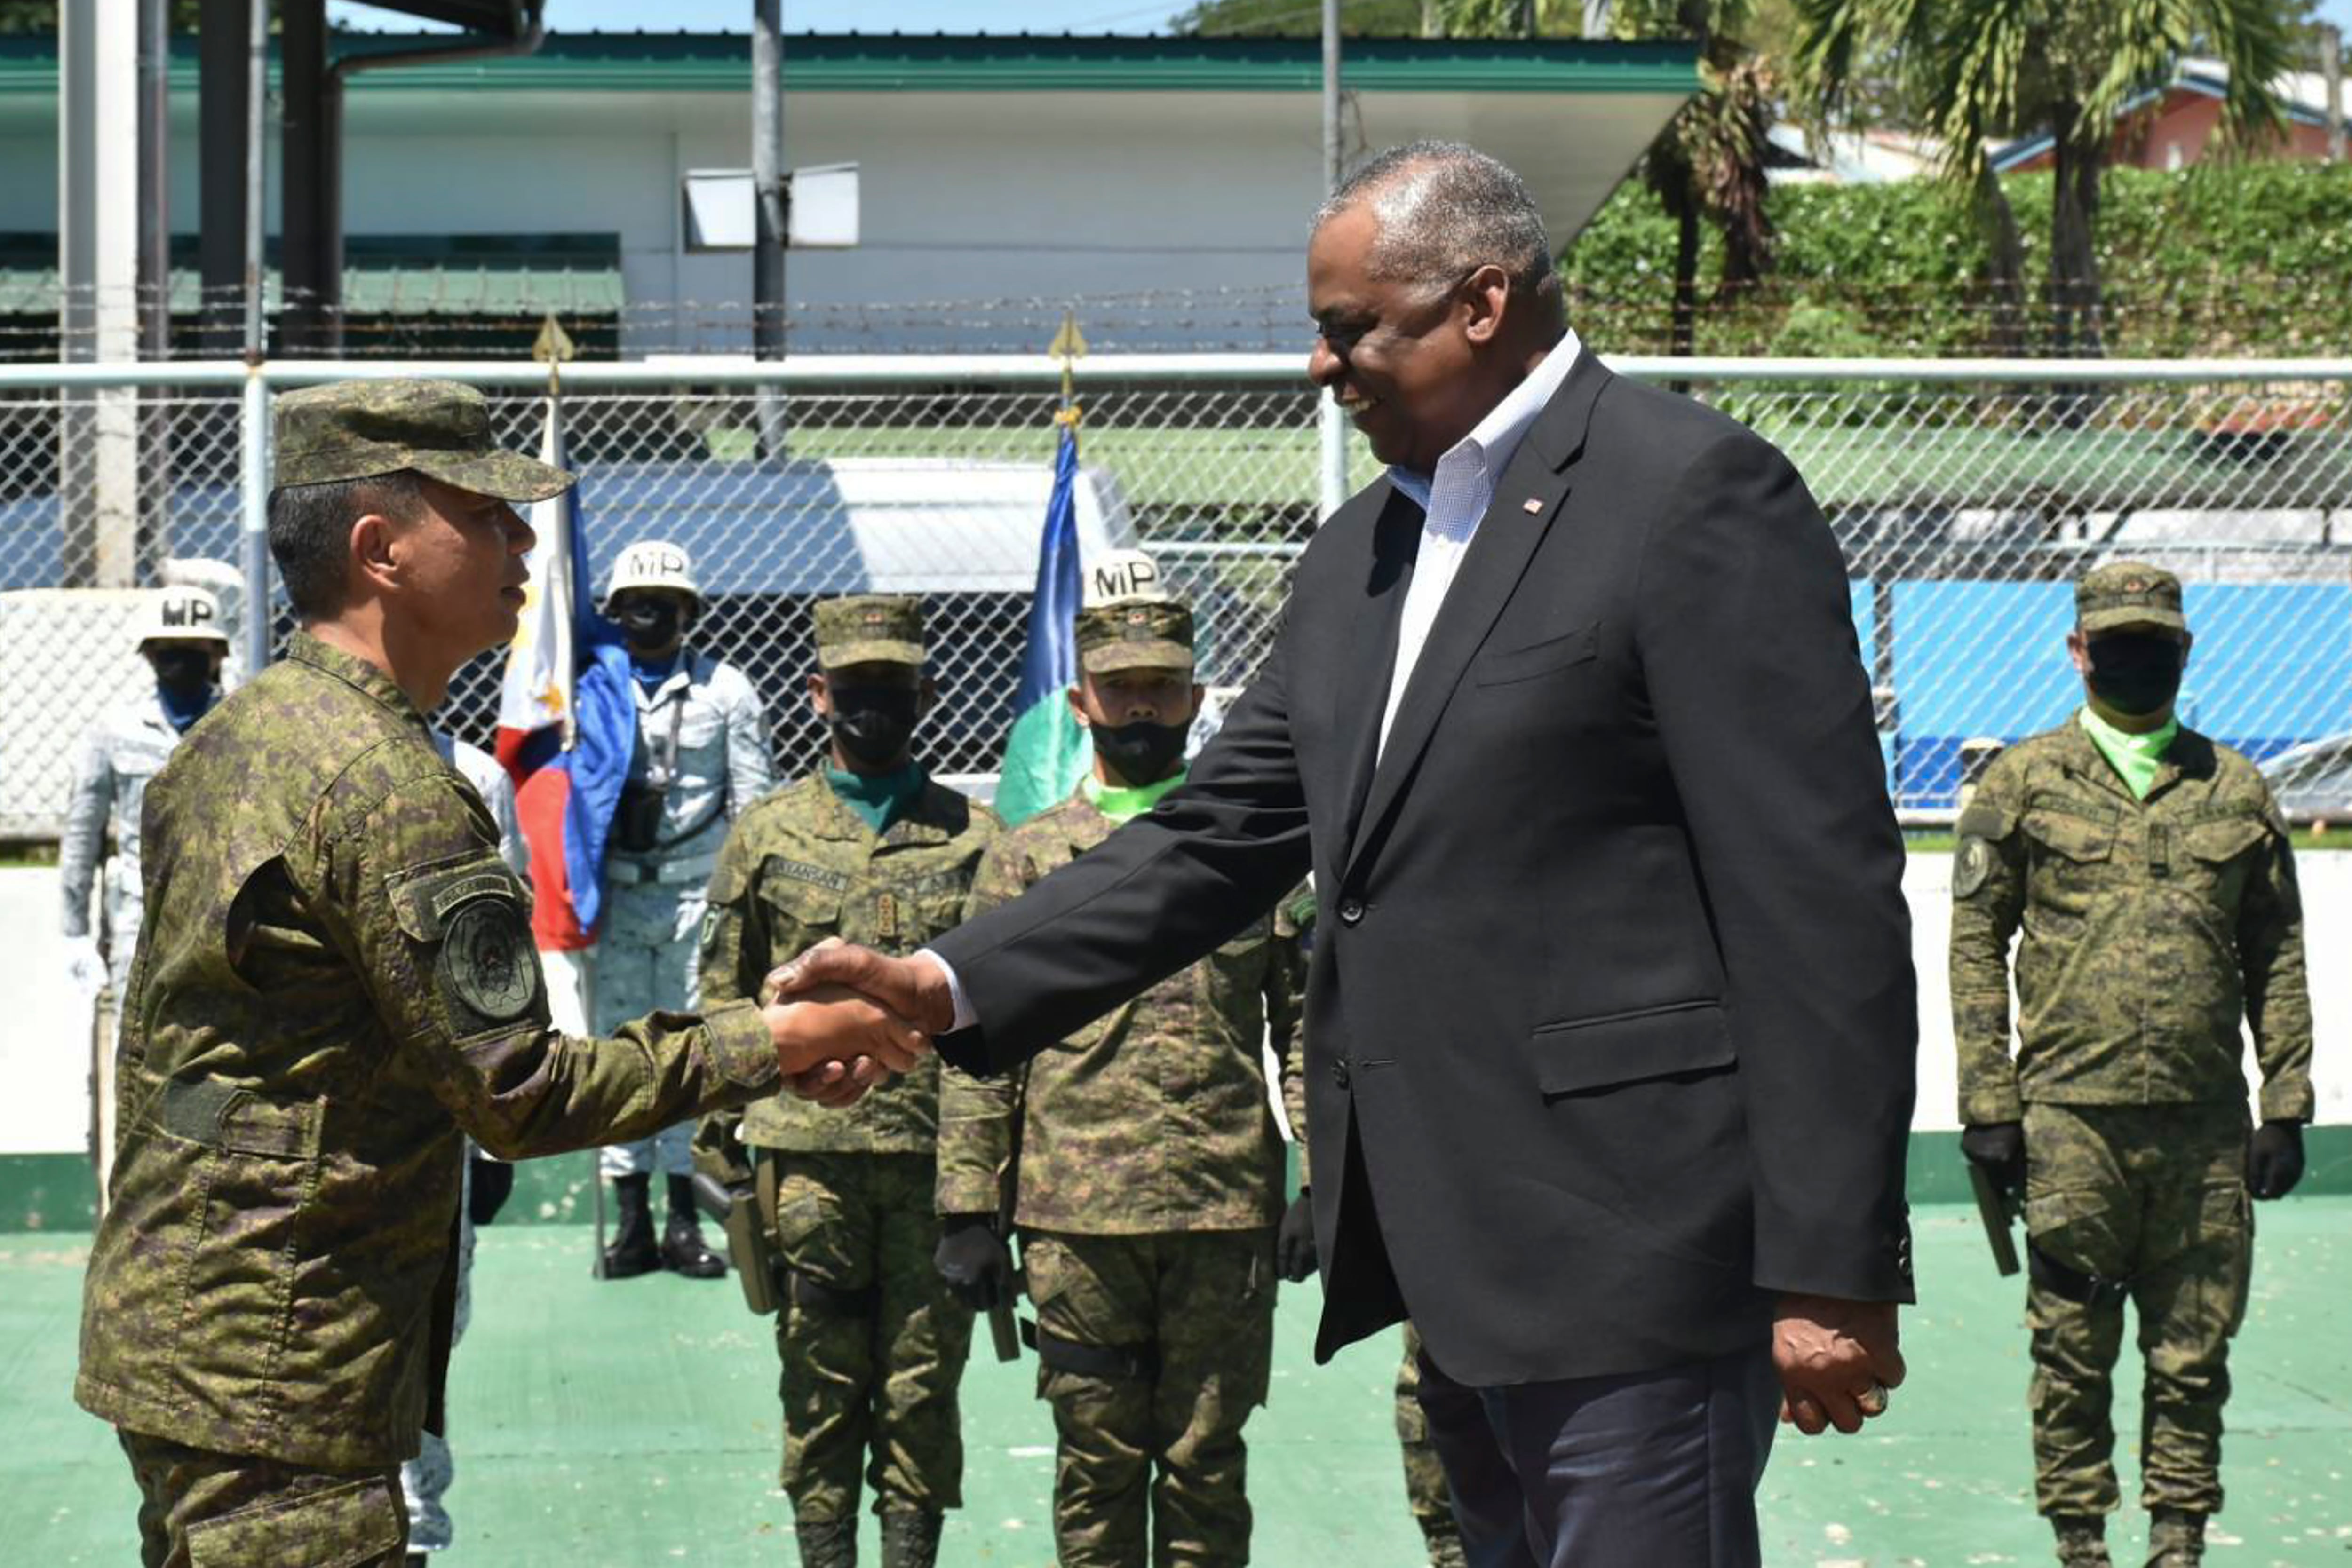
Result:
[[2081, 1541], [910, 1539], [827, 1542], [682, 1249], [632, 1252], [2176, 1539]]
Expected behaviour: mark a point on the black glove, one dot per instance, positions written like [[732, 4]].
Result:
[[1294, 1242], [492, 1183], [2274, 1159], [974, 1261], [1999, 1148]]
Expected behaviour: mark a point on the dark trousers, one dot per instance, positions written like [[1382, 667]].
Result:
[[1655, 1468]]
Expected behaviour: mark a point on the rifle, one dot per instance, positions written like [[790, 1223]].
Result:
[[1997, 1207]]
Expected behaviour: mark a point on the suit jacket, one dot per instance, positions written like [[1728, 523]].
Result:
[[1611, 1023]]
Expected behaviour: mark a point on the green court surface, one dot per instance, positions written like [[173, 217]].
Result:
[[634, 1423]]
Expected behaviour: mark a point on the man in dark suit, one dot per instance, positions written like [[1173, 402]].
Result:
[[1612, 1019]]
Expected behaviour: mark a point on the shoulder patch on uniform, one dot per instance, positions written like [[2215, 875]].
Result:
[[486, 959], [1971, 864]]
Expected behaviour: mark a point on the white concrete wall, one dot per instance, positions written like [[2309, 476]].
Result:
[[45, 1051]]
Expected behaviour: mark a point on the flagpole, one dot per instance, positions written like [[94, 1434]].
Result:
[[552, 347]]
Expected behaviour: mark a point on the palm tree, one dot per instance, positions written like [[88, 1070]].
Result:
[[1708, 166], [1975, 71]]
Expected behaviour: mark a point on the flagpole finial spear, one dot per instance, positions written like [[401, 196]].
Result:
[[552, 348], [1069, 346]]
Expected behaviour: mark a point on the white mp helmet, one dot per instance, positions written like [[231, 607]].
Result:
[[653, 563], [180, 613]]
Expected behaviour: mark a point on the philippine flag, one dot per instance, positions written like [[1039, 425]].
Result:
[[567, 722]]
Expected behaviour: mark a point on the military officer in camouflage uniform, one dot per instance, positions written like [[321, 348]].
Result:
[[868, 848], [1149, 1173], [181, 637], [335, 980], [2151, 875], [702, 759], [1425, 1493]]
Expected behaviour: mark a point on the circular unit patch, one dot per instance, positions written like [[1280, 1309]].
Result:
[[1971, 863], [487, 955]]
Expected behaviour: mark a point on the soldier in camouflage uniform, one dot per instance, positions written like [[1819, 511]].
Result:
[[1150, 1168], [335, 978], [870, 848], [2151, 874], [1425, 1492]]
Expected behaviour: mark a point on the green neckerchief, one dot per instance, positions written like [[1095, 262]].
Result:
[[880, 798], [2135, 758], [1124, 805]]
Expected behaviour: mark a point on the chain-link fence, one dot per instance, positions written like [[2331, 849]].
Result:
[[1965, 497]]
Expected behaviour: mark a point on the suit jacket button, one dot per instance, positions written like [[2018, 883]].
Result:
[[1340, 1073], [1352, 910]]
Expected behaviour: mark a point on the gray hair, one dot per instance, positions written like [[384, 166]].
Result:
[[1445, 209]]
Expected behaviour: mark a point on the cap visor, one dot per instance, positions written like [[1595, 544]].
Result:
[[836, 655], [1135, 656], [508, 475], [2132, 616]]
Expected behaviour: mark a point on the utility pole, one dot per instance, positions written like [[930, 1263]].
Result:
[[771, 221], [2331, 75], [1332, 425]]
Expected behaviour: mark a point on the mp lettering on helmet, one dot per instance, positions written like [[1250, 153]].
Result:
[[188, 612]]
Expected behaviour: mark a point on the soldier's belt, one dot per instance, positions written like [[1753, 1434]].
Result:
[[1135, 1361], [639, 872], [2069, 1283]]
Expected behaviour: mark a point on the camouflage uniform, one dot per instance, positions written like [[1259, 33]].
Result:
[[872, 1343], [336, 977], [1149, 1178], [2149, 928]]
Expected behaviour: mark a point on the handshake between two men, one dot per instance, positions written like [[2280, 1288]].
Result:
[[845, 1018]]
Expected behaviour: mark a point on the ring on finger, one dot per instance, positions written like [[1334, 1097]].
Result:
[[1873, 1399]]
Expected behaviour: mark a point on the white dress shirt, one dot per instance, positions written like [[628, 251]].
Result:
[[1452, 500]]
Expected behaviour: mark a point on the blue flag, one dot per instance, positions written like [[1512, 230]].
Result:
[[1047, 752]]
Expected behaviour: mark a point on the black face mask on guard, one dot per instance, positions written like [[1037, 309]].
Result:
[[185, 673], [2135, 673], [649, 623], [872, 724], [1143, 751]]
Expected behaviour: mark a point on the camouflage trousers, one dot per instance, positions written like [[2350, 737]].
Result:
[[202, 1509], [1196, 1312], [872, 1343], [1424, 1476], [2153, 1197]]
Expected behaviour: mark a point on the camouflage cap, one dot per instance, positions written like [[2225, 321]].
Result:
[[1135, 634], [2127, 593], [869, 628], [358, 430]]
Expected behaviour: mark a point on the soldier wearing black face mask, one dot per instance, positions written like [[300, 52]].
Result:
[[2144, 874], [1148, 1186], [870, 848], [700, 760], [183, 640]]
